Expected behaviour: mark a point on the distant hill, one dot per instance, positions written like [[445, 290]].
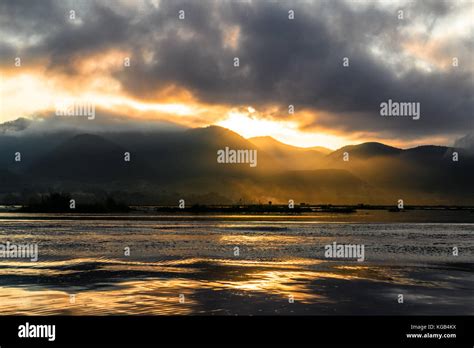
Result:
[[88, 158], [323, 185], [167, 165], [269, 143], [19, 124], [176, 156], [321, 149], [365, 151], [427, 153], [425, 174], [287, 156]]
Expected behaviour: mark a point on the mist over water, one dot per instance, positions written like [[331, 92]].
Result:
[[188, 265]]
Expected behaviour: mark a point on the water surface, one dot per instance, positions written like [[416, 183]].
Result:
[[181, 265]]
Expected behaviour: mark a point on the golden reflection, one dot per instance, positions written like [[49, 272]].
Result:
[[381, 274], [276, 283], [256, 239], [158, 289], [56, 268], [155, 297]]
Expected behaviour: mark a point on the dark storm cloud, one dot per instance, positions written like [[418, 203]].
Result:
[[281, 61]]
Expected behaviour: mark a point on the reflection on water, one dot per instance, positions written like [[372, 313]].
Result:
[[151, 295], [181, 268]]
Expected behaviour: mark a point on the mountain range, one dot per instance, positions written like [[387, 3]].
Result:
[[170, 164]]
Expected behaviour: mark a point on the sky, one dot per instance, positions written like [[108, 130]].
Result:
[[182, 70]]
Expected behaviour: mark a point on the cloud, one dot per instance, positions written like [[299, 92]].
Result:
[[104, 122], [466, 142], [282, 61]]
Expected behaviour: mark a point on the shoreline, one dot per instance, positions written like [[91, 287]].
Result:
[[359, 216]]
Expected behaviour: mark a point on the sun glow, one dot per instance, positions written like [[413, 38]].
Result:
[[284, 131], [44, 95], [114, 102]]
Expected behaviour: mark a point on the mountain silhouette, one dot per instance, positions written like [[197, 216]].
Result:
[[88, 158], [168, 164], [287, 156], [365, 151]]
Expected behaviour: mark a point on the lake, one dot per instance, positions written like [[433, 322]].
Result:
[[237, 265]]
